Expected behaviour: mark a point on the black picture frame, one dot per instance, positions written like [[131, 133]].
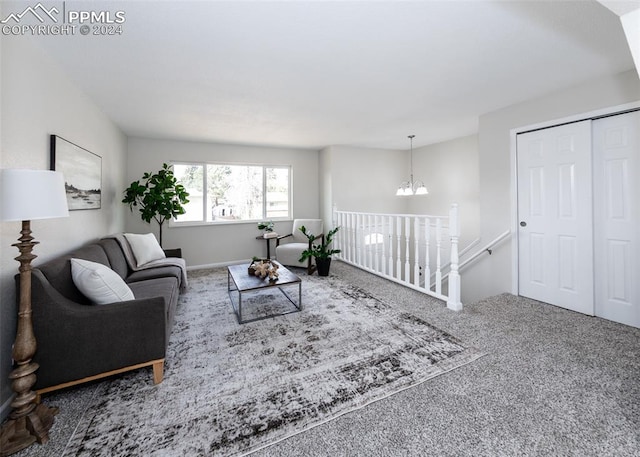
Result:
[[82, 171]]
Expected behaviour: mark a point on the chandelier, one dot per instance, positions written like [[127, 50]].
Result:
[[410, 187]]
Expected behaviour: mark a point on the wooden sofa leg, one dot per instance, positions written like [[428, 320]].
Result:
[[158, 371]]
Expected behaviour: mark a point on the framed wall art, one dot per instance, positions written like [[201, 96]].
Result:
[[82, 171]]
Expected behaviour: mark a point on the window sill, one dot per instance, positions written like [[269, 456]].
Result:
[[173, 224]]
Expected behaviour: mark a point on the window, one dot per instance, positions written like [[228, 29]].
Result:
[[224, 193]]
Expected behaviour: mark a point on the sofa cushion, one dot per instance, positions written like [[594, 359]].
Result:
[[155, 272], [99, 283], [117, 260], [145, 247], [58, 270], [289, 254], [163, 287]]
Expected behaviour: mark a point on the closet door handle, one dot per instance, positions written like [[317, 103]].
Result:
[[523, 224]]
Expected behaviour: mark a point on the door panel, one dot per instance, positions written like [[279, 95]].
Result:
[[567, 261], [555, 238], [616, 145], [536, 191], [567, 191], [537, 258]]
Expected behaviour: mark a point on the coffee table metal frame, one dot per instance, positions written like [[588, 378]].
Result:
[[238, 280]]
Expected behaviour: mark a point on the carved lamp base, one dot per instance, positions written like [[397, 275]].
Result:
[[17, 434]]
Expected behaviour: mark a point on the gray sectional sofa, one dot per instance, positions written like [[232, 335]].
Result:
[[79, 342]]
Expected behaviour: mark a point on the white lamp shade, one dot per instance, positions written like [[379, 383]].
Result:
[[32, 194], [421, 190]]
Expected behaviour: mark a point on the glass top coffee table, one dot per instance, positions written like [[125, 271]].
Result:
[[240, 283]]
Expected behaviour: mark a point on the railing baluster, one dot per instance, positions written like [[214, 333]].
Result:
[[358, 241], [385, 235], [407, 265], [427, 260], [338, 223], [347, 235], [351, 239], [438, 248], [377, 250], [453, 301], [416, 251], [398, 274], [346, 243], [371, 245], [365, 242], [354, 232], [365, 237], [365, 247], [390, 246]]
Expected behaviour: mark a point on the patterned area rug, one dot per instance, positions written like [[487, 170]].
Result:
[[231, 389]]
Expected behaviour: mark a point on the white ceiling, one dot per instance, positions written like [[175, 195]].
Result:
[[313, 74]]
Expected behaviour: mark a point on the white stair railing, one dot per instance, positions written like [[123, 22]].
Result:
[[402, 248], [488, 249]]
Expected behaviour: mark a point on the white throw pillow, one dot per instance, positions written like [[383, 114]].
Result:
[[99, 283], [145, 247]]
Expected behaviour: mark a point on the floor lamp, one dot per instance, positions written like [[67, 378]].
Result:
[[26, 195]]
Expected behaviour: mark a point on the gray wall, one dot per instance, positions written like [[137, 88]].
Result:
[[450, 172], [363, 179], [38, 99], [214, 244]]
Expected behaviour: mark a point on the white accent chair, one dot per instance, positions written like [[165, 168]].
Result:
[[289, 252]]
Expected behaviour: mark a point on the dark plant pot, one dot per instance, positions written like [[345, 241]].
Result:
[[323, 266]]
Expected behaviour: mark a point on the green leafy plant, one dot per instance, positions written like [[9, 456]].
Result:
[[159, 196], [320, 250], [266, 226]]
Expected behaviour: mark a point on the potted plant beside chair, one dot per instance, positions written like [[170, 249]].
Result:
[[320, 251]]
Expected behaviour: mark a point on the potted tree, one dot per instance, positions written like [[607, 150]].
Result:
[[159, 196], [320, 251]]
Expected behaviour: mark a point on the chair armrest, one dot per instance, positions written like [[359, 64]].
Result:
[[311, 240], [173, 252], [281, 237]]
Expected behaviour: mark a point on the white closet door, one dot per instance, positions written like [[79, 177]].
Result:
[[616, 143], [555, 239]]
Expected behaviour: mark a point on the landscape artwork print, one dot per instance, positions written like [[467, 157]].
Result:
[[82, 171]]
